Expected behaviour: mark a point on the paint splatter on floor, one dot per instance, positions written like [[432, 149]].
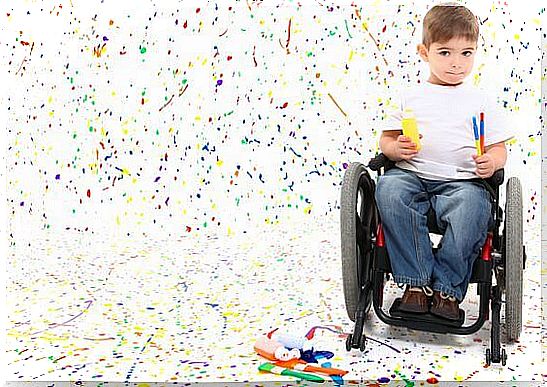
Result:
[[86, 307]]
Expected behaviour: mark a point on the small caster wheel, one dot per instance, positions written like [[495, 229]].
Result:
[[503, 357], [488, 357], [363, 343], [348, 342]]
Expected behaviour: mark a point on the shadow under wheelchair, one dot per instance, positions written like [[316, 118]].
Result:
[[412, 337]]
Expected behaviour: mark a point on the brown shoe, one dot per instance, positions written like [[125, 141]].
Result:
[[414, 300], [445, 306]]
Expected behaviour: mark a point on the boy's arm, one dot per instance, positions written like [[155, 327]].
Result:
[[494, 158], [396, 146]]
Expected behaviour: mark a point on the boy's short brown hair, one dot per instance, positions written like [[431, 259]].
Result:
[[446, 21]]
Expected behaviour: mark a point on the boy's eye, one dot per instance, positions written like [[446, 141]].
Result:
[[467, 53], [444, 53]]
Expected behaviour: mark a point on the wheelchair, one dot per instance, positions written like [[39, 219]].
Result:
[[366, 267]]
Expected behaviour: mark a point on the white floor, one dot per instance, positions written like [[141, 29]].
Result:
[[97, 308]]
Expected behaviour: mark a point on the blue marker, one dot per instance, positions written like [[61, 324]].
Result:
[[477, 138]]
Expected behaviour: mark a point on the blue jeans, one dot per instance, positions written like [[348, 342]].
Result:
[[463, 214]]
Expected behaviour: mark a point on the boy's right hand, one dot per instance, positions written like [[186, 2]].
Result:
[[404, 148]]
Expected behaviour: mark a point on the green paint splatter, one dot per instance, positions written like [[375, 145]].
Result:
[[347, 29], [143, 50]]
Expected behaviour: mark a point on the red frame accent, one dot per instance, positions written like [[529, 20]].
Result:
[[487, 248], [380, 241]]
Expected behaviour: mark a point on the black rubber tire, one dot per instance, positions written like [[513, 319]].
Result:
[[358, 222], [513, 259]]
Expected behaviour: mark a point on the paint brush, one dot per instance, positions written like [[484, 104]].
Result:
[[482, 132]]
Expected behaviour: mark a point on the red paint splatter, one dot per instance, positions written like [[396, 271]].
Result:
[[229, 57], [24, 43], [198, 9], [285, 105], [384, 29], [185, 24], [188, 228], [88, 193], [432, 381]]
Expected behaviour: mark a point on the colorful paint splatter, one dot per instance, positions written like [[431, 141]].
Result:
[[172, 166]]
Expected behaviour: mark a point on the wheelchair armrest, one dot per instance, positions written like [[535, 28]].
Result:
[[380, 161], [496, 179]]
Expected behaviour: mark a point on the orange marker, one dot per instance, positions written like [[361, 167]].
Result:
[[301, 365]]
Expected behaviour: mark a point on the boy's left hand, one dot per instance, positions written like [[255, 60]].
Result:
[[485, 165]]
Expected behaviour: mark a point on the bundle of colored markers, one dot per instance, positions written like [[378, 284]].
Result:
[[479, 134]]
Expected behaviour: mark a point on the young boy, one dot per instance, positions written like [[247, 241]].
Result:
[[443, 174]]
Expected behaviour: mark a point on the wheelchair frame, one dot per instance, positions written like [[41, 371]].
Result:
[[373, 267]]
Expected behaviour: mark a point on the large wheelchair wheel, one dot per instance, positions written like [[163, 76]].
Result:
[[358, 222], [514, 265]]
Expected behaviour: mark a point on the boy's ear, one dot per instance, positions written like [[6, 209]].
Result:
[[422, 51]]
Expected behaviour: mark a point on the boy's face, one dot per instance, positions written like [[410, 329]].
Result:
[[449, 62]]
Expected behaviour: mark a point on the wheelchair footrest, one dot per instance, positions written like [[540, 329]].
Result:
[[424, 317]]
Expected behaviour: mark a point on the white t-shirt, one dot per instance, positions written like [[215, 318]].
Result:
[[444, 115]]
